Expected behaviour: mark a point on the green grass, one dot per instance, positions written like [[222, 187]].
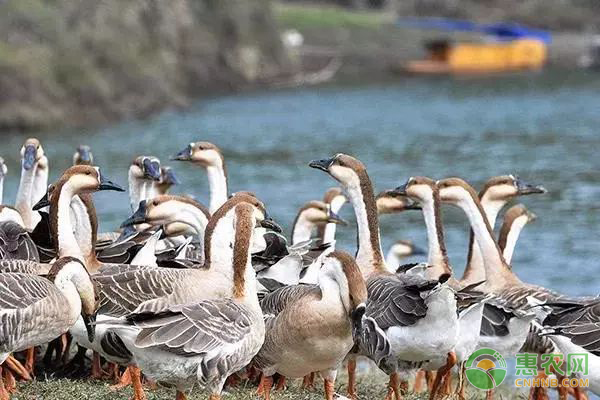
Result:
[[310, 16]]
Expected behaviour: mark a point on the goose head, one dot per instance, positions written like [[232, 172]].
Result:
[[87, 179], [145, 167], [167, 180], [319, 213], [166, 209], [71, 270], [391, 202], [205, 154], [31, 153], [346, 169], [83, 156], [341, 267], [456, 191], [405, 248], [506, 187]]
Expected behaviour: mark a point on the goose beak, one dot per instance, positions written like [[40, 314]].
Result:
[[151, 169], [524, 188], [412, 205], [418, 251], [29, 157], [44, 202], [107, 184], [268, 223], [170, 178], [183, 155], [89, 321], [401, 190], [138, 217], [323, 165], [336, 219]]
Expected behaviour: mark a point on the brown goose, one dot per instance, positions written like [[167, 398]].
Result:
[[515, 220]]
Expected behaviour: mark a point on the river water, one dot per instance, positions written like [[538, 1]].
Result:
[[543, 127]]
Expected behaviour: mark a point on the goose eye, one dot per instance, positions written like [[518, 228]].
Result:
[[87, 172]]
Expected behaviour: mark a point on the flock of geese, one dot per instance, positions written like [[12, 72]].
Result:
[[186, 295]]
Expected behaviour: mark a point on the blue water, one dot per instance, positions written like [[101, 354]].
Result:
[[541, 126]]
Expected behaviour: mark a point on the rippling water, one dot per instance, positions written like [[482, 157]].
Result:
[[543, 127]]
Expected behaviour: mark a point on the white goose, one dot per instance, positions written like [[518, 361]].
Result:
[[202, 341], [143, 172], [209, 156], [425, 325]]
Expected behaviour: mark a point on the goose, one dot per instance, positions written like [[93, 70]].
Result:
[[32, 158], [143, 172], [310, 327], [203, 339], [425, 192], [515, 220], [35, 310], [400, 250], [426, 325], [336, 200], [496, 193], [15, 243], [210, 157], [391, 202], [167, 180]]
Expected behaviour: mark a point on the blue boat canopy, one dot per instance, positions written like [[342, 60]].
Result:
[[502, 31]]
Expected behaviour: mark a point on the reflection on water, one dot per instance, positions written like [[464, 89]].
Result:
[[542, 127]]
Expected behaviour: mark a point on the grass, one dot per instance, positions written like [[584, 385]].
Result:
[[312, 16]]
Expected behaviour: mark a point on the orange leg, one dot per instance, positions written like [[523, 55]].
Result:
[[97, 372], [460, 389], [280, 383], [212, 397], [30, 360], [329, 390], [393, 388], [308, 382], [352, 378], [441, 374], [124, 381], [10, 384], [489, 395], [266, 383], [3, 392], [136, 380], [419, 381], [429, 378], [579, 394], [447, 386], [65, 341], [181, 396], [17, 368]]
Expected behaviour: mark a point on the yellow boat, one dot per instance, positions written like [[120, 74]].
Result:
[[476, 58]]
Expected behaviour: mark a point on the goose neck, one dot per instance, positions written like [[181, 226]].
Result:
[[437, 255], [327, 233], [135, 189], [40, 183], [1, 189], [217, 182], [303, 228], [24, 193], [510, 241], [61, 225], [496, 270], [369, 255], [244, 280]]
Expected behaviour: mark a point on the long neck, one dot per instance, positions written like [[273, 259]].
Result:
[[65, 283], [334, 288], [194, 217], [475, 270], [496, 270], [437, 256], [303, 228], [508, 241], [217, 181], [244, 280], [327, 233], [2, 190], [217, 244], [135, 189], [369, 255], [24, 193], [60, 222], [40, 183]]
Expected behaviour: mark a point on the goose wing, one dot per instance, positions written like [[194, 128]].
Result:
[[396, 300], [275, 302], [32, 311], [122, 288], [24, 266], [585, 335], [197, 329], [15, 242]]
